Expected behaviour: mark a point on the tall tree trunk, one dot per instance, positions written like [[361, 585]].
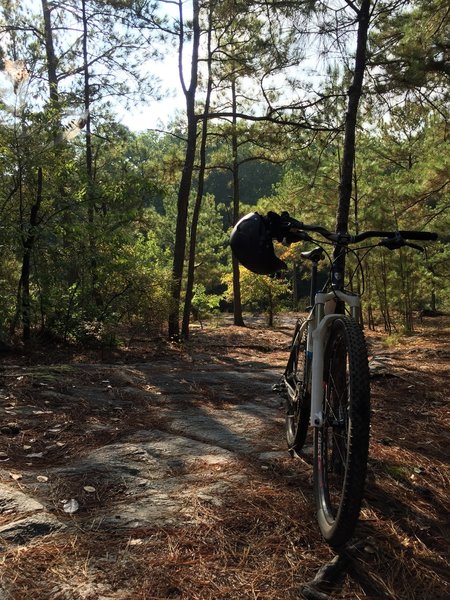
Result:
[[186, 176], [354, 95], [28, 243], [295, 287], [29, 236], [237, 304], [193, 238], [90, 196], [384, 296], [52, 61], [271, 309], [199, 197]]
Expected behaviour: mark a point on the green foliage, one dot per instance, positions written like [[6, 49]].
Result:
[[204, 304], [212, 245], [259, 293], [101, 244], [410, 46], [403, 184]]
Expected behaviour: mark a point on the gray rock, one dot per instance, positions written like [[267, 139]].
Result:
[[22, 531], [12, 500]]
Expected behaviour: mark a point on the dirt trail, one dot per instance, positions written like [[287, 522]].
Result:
[[149, 437], [168, 478]]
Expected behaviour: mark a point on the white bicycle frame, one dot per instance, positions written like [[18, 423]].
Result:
[[318, 331]]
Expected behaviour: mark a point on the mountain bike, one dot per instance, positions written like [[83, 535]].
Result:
[[326, 380]]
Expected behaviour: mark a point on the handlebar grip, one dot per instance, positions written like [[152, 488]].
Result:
[[418, 235]]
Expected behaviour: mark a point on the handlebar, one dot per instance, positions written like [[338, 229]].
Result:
[[406, 235], [285, 227]]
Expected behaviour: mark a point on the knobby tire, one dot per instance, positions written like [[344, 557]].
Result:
[[341, 443]]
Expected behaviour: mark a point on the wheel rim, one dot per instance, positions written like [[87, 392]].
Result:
[[297, 399], [293, 390]]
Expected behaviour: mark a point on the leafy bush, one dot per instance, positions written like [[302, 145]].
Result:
[[259, 293]]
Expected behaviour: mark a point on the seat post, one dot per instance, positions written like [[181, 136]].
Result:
[[314, 256], [313, 289]]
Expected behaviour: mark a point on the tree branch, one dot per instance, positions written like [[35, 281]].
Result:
[[352, 6], [269, 119]]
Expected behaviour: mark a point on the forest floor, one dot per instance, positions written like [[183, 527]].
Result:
[[154, 471]]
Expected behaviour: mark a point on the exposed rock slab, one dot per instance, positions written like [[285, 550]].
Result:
[[24, 530]]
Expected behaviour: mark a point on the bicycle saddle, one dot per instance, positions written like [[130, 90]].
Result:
[[313, 255]]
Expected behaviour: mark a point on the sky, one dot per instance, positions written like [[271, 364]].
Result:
[[155, 115], [151, 114]]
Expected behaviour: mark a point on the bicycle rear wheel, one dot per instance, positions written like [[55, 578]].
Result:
[[341, 444], [298, 401]]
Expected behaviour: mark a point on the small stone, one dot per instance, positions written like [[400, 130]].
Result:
[[71, 506], [135, 542]]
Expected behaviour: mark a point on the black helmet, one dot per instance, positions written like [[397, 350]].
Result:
[[251, 242]]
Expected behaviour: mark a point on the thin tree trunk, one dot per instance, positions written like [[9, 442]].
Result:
[[295, 287], [52, 62], [348, 159], [271, 309], [384, 304], [28, 244], [186, 176], [192, 245], [433, 300], [237, 303], [198, 199], [90, 197], [23, 309]]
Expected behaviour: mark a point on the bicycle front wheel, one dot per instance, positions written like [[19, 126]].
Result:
[[341, 444], [298, 401]]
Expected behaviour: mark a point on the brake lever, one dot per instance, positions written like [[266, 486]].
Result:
[[415, 246], [393, 243], [294, 235], [398, 242]]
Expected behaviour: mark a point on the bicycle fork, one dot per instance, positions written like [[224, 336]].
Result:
[[317, 340]]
